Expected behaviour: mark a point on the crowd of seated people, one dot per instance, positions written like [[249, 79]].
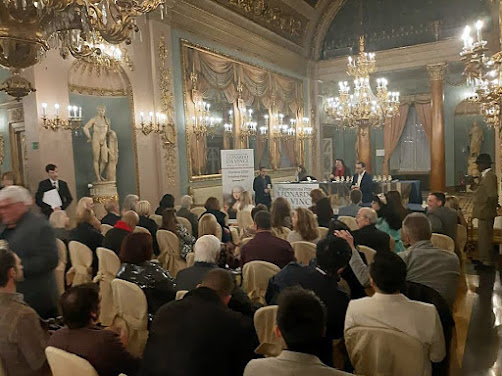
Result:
[[210, 330]]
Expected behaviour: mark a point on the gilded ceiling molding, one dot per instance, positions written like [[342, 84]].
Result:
[[437, 72], [273, 15], [99, 92], [323, 25]]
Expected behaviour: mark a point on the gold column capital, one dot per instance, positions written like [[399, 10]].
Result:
[[437, 72]]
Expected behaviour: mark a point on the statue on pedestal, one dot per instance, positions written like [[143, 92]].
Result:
[[113, 156], [477, 138], [101, 127]]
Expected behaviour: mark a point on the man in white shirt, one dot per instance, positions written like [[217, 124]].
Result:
[[389, 309], [301, 321], [363, 181], [53, 182]]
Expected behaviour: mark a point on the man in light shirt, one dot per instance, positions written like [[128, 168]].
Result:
[[389, 309], [363, 181]]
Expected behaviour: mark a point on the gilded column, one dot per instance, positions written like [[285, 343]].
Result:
[[364, 145], [438, 164]]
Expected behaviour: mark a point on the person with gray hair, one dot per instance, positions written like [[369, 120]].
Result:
[[129, 203], [112, 213], [367, 233], [114, 238], [186, 204], [32, 238]]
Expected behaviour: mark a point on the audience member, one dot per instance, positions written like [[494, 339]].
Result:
[[453, 203], [80, 336], [443, 219], [208, 225], [144, 210], [363, 181], [155, 281], [49, 184], [186, 204], [351, 210], [245, 202], [129, 203], [390, 309], [200, 335], [213, 207], [301, 322], [170, 223], [112, 213], [60, 222], [281, 217], [22, 339], [304, 227], [113, 238], [87, 203], [367, 234], [332, 256], [8, 179], [167, 202], [32, 238], [250, 231], [391, 214], [321, 206], [265, 246], [86, 234]]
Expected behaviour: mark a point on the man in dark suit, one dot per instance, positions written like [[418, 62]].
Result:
[[363, 181], [261, 186], [367, 234], [443, 220], [53, 183], [265, 246]]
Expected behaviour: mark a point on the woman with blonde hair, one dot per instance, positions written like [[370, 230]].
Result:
[[60, 222], [170, 223], [245, 202], [208, 225], [304, 227], [281, 217], [453, 203], [144, 209], [87, 203]]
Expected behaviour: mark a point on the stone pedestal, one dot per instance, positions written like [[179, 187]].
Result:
[[102, 191]]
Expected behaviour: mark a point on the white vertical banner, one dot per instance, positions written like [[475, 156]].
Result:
[[237, 176]]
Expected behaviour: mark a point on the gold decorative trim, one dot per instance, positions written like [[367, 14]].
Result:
[[103, 199], [2, 149], [437, 71], [84, 90]]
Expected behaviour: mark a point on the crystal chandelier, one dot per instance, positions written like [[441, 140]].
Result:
[[203, 123], [362, 108], [483, 74], [29, 28]]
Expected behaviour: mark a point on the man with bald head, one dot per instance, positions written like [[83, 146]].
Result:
[[114, 237], [367, 234]]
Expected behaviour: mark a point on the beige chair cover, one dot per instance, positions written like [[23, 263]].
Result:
[[190, 259], [177, 207], [443, 242], [109, 265], [81, 264], [131, 314], [141, 230], [198, 211], [170, 257], [185, 222], [265, 320], [379, 351], [349, 221], [461, 238], [245, 241], [63, 363], [304, 252], [157, 218], [255, 277], [60, 270], [497, 223], [368, 252], [104, 228], [281, 233], [181, 294], [235, 235], [244, 219], [323, 232]]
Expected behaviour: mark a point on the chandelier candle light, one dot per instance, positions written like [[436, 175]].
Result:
[[203, 122], [158, 125], [55, 123], [362, 108]]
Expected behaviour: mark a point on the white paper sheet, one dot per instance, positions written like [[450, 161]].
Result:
[[52, 198]]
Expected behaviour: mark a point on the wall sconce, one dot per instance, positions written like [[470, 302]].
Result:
[[55, 123], [157, 125]]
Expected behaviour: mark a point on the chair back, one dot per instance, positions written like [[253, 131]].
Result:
[[245, 241], [265, 320], [190, 259], [104, 228], [141, 230], [157, 218], [281, 233], [323, 232], [109, 265], [443, 242], [234, 231], [185, 222], [304, 252], [181, 294], [255, 277], [244, 219], [208, 225], [368, 252], [461, 237], [60, 270], [497, 223], [198, 211], [131, 314], [170, 257], [349, 221], [381, 351], [81, 262], [63, 363]]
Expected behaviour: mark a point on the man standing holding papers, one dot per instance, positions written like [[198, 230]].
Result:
[[50, 184]]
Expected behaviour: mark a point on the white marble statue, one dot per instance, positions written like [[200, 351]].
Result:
[[113, 156], [477, 138], [101, 127]]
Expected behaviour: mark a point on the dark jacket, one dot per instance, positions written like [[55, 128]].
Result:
[[198, 335], [444, 221], [152, 227], [156, 283], [110, 219], [34, 242], [86, 234], [324, 212], [266, 247], [259, 186], [113, 238], [366, 186], [102, 348], [324, 286], [371, 237], [63, 234], [192, 217], [220, 218], [64, 193]]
